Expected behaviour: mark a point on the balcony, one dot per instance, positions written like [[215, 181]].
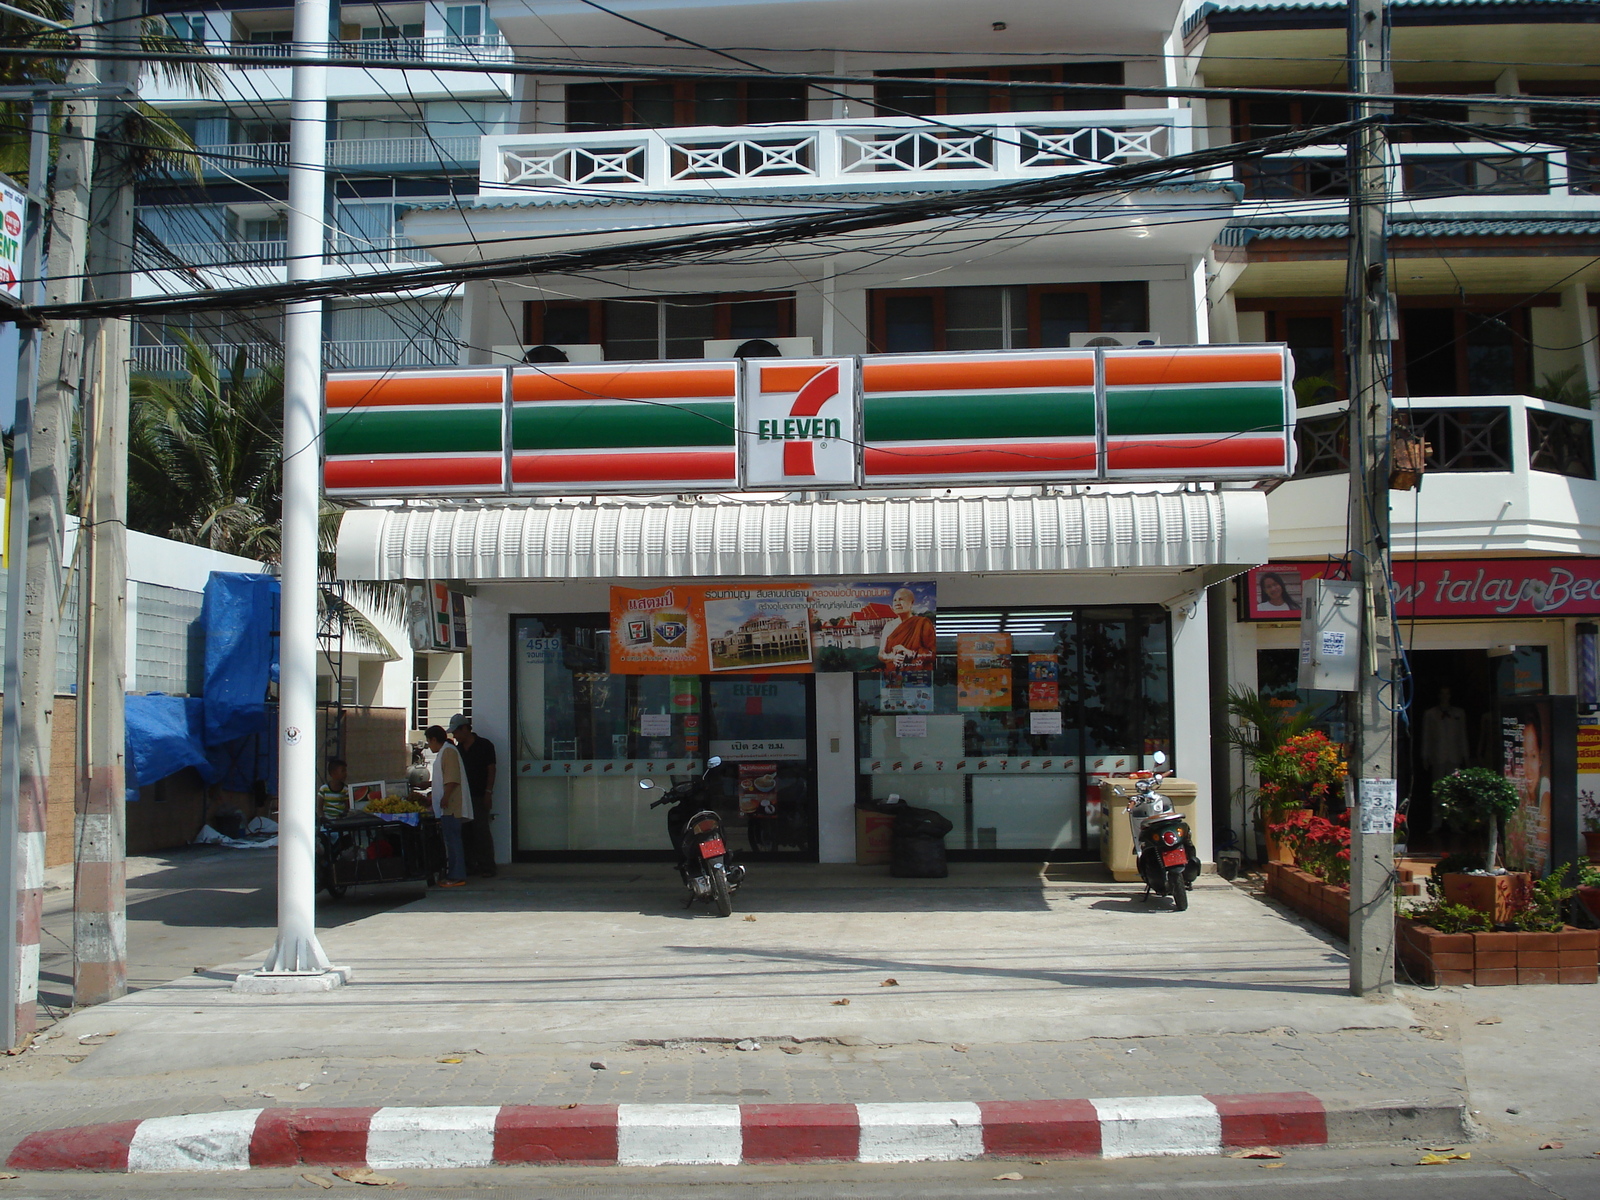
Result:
[[441, 153], [338, 356], [484, 49], [1506, 474], [1428, 169], [831, 155]]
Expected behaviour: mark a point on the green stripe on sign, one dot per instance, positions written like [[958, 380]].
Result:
[[435, 431], [1194, 410], [548, 426], [978, 416]]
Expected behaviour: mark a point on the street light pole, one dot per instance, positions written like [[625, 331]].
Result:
[[297, 961]]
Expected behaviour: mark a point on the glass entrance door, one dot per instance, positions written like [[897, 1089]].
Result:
[[761, 727]]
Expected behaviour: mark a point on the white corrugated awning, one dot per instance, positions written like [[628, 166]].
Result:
[[871, 536]]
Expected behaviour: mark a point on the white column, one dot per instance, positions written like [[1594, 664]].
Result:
[[1202, 312], [1191, 713], [1577, 296], [836, 767]]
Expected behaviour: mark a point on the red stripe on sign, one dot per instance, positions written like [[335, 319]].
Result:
[[710, 465], [318, 1137], [798, 459], [819, 389], [963, 459], [86, 1148], [584, 1133], [1147, 454], [1272, 1119], [800, 1132], [1055, 1128], [338, 473]]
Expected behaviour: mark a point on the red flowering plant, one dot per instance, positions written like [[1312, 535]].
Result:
[[1320, 846], [1302, 772]]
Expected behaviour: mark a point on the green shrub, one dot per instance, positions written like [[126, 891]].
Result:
[[1476, 797]]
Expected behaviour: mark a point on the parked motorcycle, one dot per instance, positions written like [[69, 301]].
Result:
[[1163, 844], [696, 831]]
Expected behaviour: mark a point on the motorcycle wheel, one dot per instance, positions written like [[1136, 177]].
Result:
[[720, 892], [1179, 890]]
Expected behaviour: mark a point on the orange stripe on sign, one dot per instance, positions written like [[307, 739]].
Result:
[[956, 376], [622, 384], [404, 389], [787, 379], [442, 472], [710, 465], [957, 459], [1152, 455], [1189, 366]]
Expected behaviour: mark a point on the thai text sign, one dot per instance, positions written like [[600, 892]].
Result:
[[887, 420], [1467, 588], [13, 219]]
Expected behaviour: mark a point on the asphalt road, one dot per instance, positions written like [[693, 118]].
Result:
[[1514, 1172]]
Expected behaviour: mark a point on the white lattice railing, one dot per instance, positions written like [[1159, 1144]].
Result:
[[834, 153]]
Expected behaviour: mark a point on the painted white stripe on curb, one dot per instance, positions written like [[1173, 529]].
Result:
[[920, 1132], [1136, 1126], [659, 1135], [431, 1137], [218, 1141]]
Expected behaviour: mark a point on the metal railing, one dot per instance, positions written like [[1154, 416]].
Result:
[[1427, 169], [435, 701], [222, 254], [805, 154], [345, 152], [337, 355], [487, 49]]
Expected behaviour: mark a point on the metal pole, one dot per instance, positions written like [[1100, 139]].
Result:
[[297, 961], [1370, 334], [21, 851]]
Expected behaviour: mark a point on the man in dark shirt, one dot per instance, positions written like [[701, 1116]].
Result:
[[478, 760]]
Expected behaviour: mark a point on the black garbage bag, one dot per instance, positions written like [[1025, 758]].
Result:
[[914, 857], [919, 822]]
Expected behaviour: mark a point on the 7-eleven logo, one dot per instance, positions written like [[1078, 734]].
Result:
[[800, 422]]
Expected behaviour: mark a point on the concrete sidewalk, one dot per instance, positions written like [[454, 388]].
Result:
[[1010, 983]]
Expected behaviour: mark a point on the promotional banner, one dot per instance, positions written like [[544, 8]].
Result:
[[1044, 683], [1502, 587], [983, 672], [701, 629]]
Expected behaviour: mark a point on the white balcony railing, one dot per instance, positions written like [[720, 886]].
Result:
[[337, 355], [345, 152], [483, 48], [1422, 169], [224, 254], [806, 155]]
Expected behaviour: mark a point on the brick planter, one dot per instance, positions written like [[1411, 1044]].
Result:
[[1493, 959], [1492, 894], [1316, 901]]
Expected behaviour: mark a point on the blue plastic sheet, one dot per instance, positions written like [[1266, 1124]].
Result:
[[240, 616], [165, 734]]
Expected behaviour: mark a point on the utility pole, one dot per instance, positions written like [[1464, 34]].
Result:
[[99, 896], [1369, 325], [297, 962]]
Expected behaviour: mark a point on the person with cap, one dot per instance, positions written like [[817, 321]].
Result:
[[479, 761], [451, 804]]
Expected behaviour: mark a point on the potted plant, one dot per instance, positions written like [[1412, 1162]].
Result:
[[1478, 798], [1300, 773]]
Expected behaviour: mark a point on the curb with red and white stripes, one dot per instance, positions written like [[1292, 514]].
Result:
[[651, 1135]]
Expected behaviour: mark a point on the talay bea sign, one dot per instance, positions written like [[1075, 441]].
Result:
[[778, 424], [1467, 588]]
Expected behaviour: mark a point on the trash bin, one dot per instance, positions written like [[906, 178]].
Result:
[[1116, 838], [918, 851]]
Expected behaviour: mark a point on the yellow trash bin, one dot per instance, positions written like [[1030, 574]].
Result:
[[1116, 836]]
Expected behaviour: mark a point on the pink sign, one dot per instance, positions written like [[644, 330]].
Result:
[[1499, 587]]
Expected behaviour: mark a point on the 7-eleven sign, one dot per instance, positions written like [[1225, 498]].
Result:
[[799, 422]]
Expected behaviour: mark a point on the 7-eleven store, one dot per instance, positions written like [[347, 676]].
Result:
[[670, 561]]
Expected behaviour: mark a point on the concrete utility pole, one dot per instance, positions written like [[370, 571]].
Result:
[[297, 961], [59, 372], [99, 897], [1370, 335]]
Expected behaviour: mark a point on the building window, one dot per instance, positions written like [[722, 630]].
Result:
[[1315, 337], [909, 320], [661, 328], [662, 104], [1462, 352], [969, 90], [468, 25]]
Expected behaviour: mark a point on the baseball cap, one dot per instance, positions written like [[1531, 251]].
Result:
[[460, 720]]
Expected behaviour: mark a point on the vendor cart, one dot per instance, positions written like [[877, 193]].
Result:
[[371, 848]]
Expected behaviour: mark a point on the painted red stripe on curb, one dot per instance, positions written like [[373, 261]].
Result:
[[584, 1133], [800, 1132], [1054, 1128], [1272, 1119], [85, 1148], [315, 1137]]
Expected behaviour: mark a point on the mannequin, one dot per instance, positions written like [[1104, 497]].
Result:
[[1444, 749]]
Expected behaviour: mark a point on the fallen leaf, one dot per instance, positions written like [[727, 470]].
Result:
[[624, 1072], [750, 918], [447, 1060], [573, 1105], [1489, 1021], [790, 1049], [1440, 1149], [840, 1003], [1553, 1146], [1271, 1166], [1010, 1175], [365, 1175], [890, 983], [8, 1175], [959, 1048], [1432, 1160], [1365, 1074], [322, 1181], [1256, 1152]]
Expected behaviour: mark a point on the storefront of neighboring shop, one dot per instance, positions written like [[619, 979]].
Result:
[[989, 653]]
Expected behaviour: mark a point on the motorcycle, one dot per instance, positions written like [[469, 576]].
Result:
[[696, 832], [1163, 844]]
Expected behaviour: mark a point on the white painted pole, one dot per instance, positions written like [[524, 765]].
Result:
[[297, 961]]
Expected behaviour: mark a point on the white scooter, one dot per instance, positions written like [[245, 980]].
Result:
[[1163, 844]]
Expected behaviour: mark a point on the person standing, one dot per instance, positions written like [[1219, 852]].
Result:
[[451, 804], [479, 761]]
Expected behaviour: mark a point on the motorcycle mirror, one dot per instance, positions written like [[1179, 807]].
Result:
[[713, 761], [1160, 757], [646, 784]]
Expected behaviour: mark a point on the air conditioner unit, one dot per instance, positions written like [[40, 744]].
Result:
[[796, 347], [1114, 339], [499, 356]]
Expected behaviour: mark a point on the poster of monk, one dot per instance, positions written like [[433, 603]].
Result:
[[871, 626]]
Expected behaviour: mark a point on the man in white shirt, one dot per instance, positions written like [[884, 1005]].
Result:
[[451, 804]]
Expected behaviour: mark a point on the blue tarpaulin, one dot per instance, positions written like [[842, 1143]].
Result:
[[165, 735]]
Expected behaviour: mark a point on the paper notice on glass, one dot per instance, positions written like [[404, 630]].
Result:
[[909, 727], [1376, 798], [1044, 723], [655, 724]]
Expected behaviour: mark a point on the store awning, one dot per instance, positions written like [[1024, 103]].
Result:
[[621, 539]]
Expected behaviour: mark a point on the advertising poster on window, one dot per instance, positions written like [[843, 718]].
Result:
[[698, 629], [1589, 777], [1044, 683], [758, 789], [983, 672], [1526, 760]]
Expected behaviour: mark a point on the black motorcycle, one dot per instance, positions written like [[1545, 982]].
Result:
[[695, 828]]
